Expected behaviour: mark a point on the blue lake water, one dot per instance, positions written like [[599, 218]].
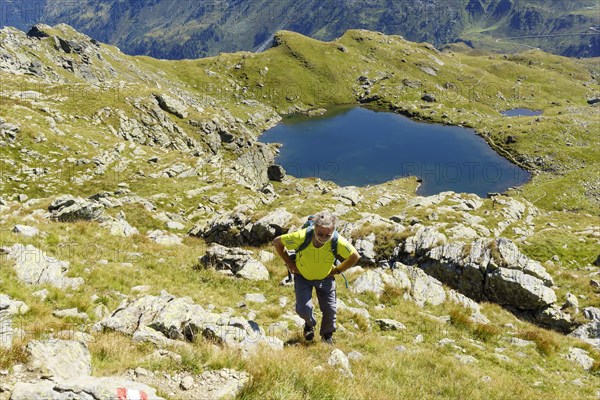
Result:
[[358, 146], [521, 112]]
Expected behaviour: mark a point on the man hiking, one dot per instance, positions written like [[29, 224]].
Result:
[[317, 247]]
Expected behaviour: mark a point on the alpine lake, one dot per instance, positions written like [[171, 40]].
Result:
[[356, 146]]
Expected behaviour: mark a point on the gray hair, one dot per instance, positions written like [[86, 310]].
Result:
[[325, 218]]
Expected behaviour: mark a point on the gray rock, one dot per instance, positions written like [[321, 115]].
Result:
[[425, 238], [337, 358], [370, 281], [390, 324], [355, 355], [145, 334], [591, 313], [580, 357], [25, 230], [175, 225], [34, 267], [236, 260], [181, 319], [84, 388], [428, 97], [6, 329], [165, 239], [68, 209], [512, 287], [589, 333], [513, 279], [187, 382], [366, 249], [63, 359], [270, 226], [223, 229], [571, 301], [348, 194], [172, 105], [12, 307], [119, 227]]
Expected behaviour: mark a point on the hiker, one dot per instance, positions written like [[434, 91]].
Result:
[[313, 267]]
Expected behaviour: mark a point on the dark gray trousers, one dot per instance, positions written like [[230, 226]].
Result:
[[326, 296]]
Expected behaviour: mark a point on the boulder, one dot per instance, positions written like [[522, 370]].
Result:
[[68, 209], [428, 97], [172, 105], [12, 307], [509, 287], [163, 238], [589, 333], [337, 358], [269, 227], [28, 231], [223, 229], [425, 238], [366, 249], [554, 318], [64, 359], [181, 319], [34, 267], [239, 261], [581, 357], [119, 227], [390, 324], [349, 195], [276, 173]]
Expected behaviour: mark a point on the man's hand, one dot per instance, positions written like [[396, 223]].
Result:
[[292, 267], [334, 272]]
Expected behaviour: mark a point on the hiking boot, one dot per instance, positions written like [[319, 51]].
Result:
[[327, 339], [309, 332]]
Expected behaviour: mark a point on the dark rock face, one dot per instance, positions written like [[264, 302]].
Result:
[[276, 173], [428, 98], [37, 32]]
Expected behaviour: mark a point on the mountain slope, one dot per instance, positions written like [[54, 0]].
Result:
[[145, 145], [191, 29]]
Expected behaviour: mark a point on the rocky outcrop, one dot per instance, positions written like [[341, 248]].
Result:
[[237, 261], [181, 319], [486, 269], [34, 267], [223, 229], [68, 208], [237, 228]]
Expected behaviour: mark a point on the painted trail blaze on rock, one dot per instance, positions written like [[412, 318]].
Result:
[[131, 394]]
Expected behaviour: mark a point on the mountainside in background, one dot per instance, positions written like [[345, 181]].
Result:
[[191, 29], [137, 209]]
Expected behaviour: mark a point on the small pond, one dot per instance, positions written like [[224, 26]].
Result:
[[354, 146], [521, 112]]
